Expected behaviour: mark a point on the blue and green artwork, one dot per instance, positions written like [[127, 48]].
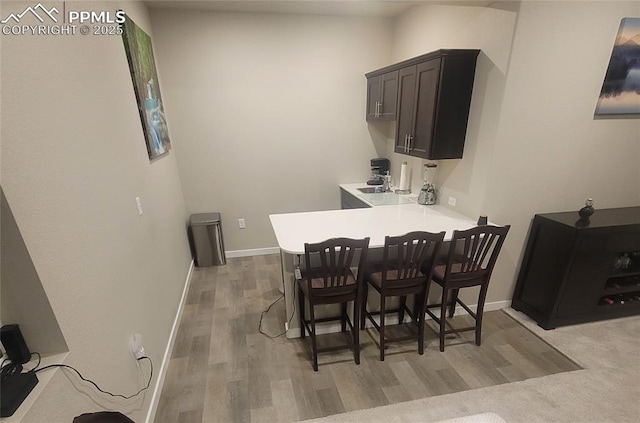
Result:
[[137, 45]]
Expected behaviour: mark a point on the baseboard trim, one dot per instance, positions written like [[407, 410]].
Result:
[[157, 391], [497, 305], [252, 252]]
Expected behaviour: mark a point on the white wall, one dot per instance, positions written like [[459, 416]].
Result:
[[431, 27], [550, 153], [267, 111], [73, 161]]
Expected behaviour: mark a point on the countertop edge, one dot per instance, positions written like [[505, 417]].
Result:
[[316, 226]]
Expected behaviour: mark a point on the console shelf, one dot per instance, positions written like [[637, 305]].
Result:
[[575, 271]]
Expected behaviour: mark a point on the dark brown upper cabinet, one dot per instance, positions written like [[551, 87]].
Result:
[[434, 96], [382, 96]]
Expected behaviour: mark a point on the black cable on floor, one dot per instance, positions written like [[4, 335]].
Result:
[[269, 308], [64, 366]]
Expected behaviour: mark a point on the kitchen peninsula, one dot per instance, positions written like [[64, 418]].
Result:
[[398, 215]]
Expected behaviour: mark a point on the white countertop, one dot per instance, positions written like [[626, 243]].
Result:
[[294, 229]]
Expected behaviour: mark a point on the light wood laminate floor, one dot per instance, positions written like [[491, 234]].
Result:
[[223, 369]]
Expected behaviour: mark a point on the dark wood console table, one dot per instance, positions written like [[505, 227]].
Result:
[[574, 272]]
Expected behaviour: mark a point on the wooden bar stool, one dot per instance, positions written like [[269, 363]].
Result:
[[472, 256], [328, 279], [406, 267]]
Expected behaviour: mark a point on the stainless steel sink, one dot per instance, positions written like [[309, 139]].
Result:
[[370, 190], [376, 196]]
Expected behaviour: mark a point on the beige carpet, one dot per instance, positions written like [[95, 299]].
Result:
[[606, 390]]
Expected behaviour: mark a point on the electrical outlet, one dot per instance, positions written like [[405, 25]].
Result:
[[135, 344], [241, 223], [452, 201]]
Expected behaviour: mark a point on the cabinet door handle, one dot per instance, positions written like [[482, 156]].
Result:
[[378, 104], [409, 139], [379, 108]]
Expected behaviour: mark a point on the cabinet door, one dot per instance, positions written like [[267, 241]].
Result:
[[389, 96], [374, 91], [427, 76], [455, 87], [544, 266], [382, 96], [406, 108], [417, 99], [586, 277], [348, 201]]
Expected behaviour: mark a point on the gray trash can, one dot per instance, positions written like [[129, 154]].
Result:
[[206, 229]]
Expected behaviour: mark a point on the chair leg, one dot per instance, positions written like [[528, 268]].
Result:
[[314, 344], [421, 302], [356, 332], [479, 312], [443, 317], [416, 307], [363, 314], [301, 312], [403, 304], [454, 301], [426, 300], [382, 306], [343, 317]]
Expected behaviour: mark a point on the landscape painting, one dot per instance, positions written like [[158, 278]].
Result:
[[620, 94], [142, 66]]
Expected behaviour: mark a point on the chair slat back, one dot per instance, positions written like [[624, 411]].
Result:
[[335, 257], [413, 250], [473, 253]]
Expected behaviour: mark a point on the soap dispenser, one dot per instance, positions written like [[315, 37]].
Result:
[[427, 194]]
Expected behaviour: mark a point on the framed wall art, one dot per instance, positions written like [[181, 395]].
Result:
[[142, 66], [620, 94]]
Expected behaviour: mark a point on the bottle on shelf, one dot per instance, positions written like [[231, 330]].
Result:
[[606, 301]]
